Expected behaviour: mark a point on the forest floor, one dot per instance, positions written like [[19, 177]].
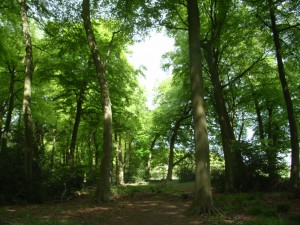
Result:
[[157, 204]]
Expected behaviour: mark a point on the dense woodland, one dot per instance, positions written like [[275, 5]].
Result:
[[73, 114]]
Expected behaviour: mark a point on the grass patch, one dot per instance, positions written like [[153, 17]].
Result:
[[294, 218], [269, 220], [234, 203], [40, 222], [130, 190], [255, 210], [283, 207]]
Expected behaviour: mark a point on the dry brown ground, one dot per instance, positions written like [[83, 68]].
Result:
[[144, 207]]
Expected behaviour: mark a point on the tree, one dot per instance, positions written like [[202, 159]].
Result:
[[171, 116], [29, 67], [103, 186], [203, 195], [211, 46], [4, 135], [294, 177], [80, 98]]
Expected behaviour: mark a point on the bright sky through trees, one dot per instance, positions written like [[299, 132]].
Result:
[[148, 53]]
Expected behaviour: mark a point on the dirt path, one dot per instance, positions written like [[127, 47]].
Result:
[[142, 208]]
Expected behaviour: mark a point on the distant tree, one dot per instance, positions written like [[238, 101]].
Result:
[[80, 98], [278, 17], [294, 177], [171, 116]]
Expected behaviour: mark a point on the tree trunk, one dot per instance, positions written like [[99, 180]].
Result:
[[294, 176], [172, 142], [103, 186], [171, 152], [203, 196], [29, 67], [70, 159], [148, 169], [119, 161], [96, 149], [225, 126], [12, 72], [258, 115], [270, 149], [52, 157]]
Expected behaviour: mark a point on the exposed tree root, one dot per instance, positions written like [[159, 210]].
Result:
[[203, 209]]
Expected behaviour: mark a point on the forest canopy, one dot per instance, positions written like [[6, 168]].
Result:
[[73, 113]]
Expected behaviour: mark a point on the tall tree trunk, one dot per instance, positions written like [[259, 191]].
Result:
[[294, 176], [148, 169], [29, 67], [270, 149], [258, 115], [12, 72], [225, 126], [119, 161], [91, 155], [52, 157], [203, 196], [173, 138], [70, 159], [171, 152], [96, 148], [103, 186]]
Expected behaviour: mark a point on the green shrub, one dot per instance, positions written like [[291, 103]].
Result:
[[294, 217], [283, 207], [185, 174], [255, 210], [62, 182], [267, 221]]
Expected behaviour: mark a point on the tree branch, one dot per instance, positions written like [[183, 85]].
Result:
[[187, 155], [171, 27], [110, 46], [288, 27], [261, 58]]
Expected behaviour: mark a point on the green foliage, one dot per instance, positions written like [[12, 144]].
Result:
[[62, 182], [217, 171], [34, 221], [156, 187], [255, 210], [255, 168], [269, 220], [295, 218], [283, 207], [247, 70], [185, 171], [185, 174], [11, 174]]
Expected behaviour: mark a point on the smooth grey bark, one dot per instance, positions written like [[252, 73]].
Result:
[[294, 172], [29, 68], [203, 196], [103, 187]]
